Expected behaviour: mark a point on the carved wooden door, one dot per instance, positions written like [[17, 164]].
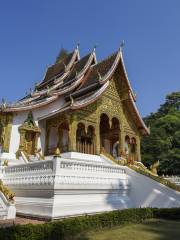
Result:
[[30, 142]]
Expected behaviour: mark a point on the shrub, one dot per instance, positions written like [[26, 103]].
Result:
[[69, 228]]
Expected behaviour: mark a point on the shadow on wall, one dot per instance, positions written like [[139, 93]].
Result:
[[118, 196], [143, 192]]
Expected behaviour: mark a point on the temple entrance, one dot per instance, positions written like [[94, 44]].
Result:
[[133, 149], [109, 135], [63, 136], [85, 141], [29, 134], [30, 142], [57, 137]]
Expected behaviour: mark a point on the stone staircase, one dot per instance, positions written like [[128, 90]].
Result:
[[7, 206], [7, 209]]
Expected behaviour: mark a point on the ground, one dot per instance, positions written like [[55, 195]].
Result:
[[149, 230], [19, 220]]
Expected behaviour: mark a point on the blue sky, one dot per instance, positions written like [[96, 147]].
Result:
[[32, 33]]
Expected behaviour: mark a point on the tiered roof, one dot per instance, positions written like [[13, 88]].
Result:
[[80, 81]]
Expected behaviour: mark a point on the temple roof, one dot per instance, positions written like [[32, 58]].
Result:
[[80, 81]]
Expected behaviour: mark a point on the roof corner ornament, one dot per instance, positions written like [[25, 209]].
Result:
[[48, 89], [72, 100], [31, 91], [135, 96], [3, 103], [99, 75], [35, 86], [78, 45], [64, 64], [122, 45], [95, 46]]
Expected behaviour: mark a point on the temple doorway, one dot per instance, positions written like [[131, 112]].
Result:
[[85, 141], [109, 135], [63, 136], [30, 142], [57, 137]]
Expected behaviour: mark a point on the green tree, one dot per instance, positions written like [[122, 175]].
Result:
[[163, 143]]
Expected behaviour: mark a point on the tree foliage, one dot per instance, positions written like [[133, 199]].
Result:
[[163, 143]]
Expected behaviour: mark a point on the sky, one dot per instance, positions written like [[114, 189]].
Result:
[[32, 33]]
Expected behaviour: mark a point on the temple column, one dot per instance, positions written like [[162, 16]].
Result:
[[37, 134], [72, 133], [7, 126], [22, 140], [138, 149], [121, 142]]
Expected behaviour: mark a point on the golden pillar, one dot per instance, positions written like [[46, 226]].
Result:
[[7, 126], [121, 141], [37, 134], [138, 149], [22, 139], [72, 133], [97, 137]]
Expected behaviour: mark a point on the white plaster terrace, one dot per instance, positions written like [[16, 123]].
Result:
[[77, 184]]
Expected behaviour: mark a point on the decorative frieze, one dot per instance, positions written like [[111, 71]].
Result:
[[63, 171]]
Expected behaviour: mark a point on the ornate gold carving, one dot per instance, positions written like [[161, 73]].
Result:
[[111, 104], [29, 134], [5, 130], [72, 133], [57, 152], [7, 193]]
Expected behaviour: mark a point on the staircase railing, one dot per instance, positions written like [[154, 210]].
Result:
[[7, 193]]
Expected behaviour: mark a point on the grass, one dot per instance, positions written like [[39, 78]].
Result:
[[149, 230]]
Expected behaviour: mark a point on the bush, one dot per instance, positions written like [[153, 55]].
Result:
[[69, 228]]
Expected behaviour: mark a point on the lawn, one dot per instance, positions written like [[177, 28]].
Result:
[[149, 230]]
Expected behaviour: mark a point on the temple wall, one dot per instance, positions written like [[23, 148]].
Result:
[[20, 117], [18, 120], [112, 104]]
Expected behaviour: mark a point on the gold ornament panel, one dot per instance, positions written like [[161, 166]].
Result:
[[6, 126]]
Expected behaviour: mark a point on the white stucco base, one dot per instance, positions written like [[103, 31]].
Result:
[[77, 184], [68, 186], [146, 192]]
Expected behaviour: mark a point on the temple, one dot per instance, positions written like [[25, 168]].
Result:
[[72, 145], [81, 106]]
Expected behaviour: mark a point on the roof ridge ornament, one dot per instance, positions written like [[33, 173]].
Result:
[[94, 48], [31, 91], [99, 75], [64, 64], [72, 99], [78, 44], [48, 89], [3, 103], [122, 45]]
